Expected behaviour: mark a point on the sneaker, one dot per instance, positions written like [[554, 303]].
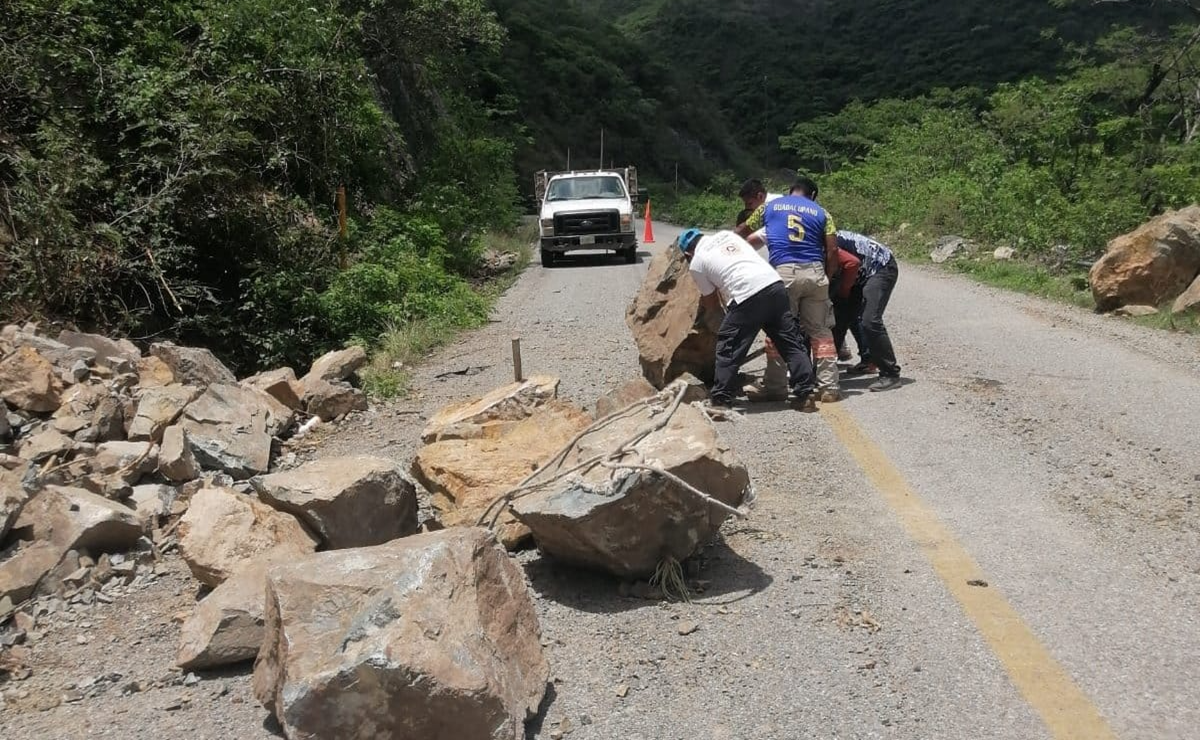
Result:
[[758, 393], [720, 403], [885, 383], [845, 355], [830, 396], [863, 368]]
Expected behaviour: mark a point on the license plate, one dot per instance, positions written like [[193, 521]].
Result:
[[587, 240]]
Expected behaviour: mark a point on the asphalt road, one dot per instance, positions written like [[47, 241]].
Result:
[[1041, 453]]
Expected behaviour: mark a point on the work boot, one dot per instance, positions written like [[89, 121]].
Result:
[[885, 383], [804, 402], [759, 393], [866, 367], [831, 395], [845, 355]]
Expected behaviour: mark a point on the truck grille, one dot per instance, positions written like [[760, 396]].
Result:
[[592, 222]]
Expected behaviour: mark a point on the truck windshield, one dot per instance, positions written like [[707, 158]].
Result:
[[579, 188]]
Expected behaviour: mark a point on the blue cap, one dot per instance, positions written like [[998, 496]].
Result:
[[688, 239]]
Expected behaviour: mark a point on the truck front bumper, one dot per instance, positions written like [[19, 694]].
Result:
[[562, 244]]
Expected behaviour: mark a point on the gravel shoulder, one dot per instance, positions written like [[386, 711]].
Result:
[[1058, 447]]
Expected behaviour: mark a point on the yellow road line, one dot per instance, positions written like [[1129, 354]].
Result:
[[1067, 712]]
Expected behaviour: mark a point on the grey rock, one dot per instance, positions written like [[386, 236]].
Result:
[[193, 365]]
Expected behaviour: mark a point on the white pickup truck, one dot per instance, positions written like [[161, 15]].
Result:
[[586, 210]]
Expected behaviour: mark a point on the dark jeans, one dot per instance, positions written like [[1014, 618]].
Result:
[[877, 290], [847, 316], [768, 310]]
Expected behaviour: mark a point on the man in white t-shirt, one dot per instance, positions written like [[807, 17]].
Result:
[[758, 301]]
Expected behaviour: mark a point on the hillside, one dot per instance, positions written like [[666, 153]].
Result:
[[770, 64]]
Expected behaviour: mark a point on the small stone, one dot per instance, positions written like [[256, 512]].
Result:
[[687, 628], [71, 696], [623, 691], [83, 639], [978, 583], [191, 679]]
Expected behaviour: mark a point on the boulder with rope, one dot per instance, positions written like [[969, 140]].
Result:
[[644, 486]]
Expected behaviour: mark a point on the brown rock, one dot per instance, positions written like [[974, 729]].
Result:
[[224, 530], [28, 381], [74, 519], [492, 414], [329, 399], [102, 346], [280, 384], [153, 372], [13, 496], [1150, 265], [46, 444], [432, 636], [158, 408], [227, 625], [347, 501], [193, 365], [627, 521], [21, 573], [229, 428], [627, 393], [338, 365], [464, 476], [1188, 300], [175, 459], [70, 424], [128, 461], [152, 502], [674, 335]]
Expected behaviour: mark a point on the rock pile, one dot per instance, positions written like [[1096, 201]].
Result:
[[100, 443]]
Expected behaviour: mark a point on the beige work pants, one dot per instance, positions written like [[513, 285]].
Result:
[[808, 289]]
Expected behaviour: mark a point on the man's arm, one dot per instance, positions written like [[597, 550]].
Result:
[[753, 223], [831, 245], [850, 265]]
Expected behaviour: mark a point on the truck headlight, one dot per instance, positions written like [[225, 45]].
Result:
[[547, 227], [626, 222]]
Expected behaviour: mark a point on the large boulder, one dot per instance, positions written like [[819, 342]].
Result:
[[224, 530], [330, 399], [102, 346], [158, 408], [464, 476], [493, 413], [674, 334], [280, 384], [1150, 265], [193, 365], [28, 381], [627, 521], [226, 627], [1188, 300], [56, 521], [432, 636], [230, 427], [337, 365], [347, 501]]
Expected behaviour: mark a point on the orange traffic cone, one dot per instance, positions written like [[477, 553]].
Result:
[[648, 237]]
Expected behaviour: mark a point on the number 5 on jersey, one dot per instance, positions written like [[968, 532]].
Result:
[[795, 228]]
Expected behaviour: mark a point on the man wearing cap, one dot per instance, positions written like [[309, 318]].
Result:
[[758, 301], [802, 247]]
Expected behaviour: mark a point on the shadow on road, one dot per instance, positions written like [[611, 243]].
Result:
[[726, 578]]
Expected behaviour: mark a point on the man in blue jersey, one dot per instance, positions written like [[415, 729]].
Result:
[[875, 279], [802, 247]]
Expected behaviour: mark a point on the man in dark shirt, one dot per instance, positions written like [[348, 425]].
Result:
[[875, 277]]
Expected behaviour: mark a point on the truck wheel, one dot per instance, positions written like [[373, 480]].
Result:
[[547, 258], [630, 255]]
